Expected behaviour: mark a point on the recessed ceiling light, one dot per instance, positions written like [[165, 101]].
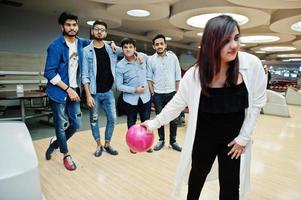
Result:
[[91, 22], [168, 38], [260, 52], [200, 34], [138, 13], [259, 38], [288, 55], [200, 21], [292, 59], [295, 59], [278, 48], [296, 26]]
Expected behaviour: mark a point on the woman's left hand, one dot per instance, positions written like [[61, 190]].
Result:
[[236, 150]]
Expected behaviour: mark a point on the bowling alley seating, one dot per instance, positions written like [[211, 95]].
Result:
[[293, 96], [276, 104], [19, 173]]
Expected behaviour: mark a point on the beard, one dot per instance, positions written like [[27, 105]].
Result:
[[160, 51], [98, 38], [70, 34]]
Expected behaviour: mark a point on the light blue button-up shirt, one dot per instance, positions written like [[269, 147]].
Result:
[[129, 76], [165, 71]]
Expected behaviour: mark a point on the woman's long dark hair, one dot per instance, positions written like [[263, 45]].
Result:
[[216, 34]]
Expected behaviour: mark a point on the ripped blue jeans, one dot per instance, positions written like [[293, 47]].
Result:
[[67, 119], [105, 100]]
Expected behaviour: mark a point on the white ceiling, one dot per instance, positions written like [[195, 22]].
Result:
[[169, 17]]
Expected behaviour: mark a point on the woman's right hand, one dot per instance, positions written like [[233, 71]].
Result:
[[145, 125]]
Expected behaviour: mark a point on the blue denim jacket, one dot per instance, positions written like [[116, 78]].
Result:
[[90, 67], [57, 62], [129, 76]]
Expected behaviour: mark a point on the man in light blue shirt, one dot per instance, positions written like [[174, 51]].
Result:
[[131, 79], [164, 82]]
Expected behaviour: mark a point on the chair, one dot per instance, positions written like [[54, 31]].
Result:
[[276, 104], [293, 97]]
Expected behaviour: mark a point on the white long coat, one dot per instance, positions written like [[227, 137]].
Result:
[[189, 95]]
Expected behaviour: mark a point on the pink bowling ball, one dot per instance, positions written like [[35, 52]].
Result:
[[138, 139]]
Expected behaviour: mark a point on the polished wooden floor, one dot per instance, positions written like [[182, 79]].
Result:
[[276, 167]]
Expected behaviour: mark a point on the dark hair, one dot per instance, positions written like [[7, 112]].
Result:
[[97, 22], [216, 34], [90, 33], [65, 16], [159, 36], [128, 41]]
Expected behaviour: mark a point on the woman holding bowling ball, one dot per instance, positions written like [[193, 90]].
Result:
[[224, 92]]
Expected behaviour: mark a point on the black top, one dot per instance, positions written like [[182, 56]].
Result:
[[221, 114], [104, 77]]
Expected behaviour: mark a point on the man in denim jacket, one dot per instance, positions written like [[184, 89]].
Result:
[[63, 70], [99, 63]]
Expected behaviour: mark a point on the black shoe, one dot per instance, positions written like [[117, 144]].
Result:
[[111, 151], [98, 151], [150, 151], [159, 145], [50, 149], [133, 152], [176, 147]]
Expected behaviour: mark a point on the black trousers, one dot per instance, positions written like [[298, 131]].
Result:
[[144, 111], [160, 101], [203, 155]]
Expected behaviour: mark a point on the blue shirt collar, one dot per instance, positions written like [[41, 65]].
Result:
[[166, 54], [125, 61]]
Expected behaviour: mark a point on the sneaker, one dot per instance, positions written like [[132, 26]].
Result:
[[176, 147], [133, 152], [50, 149], [69, 163], [150, 151], [182, 120], [111, 151], [159, 145], [98, 151]]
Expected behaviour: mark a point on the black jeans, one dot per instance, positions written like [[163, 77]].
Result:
[[203, 156], [160, 101], [132, 111]]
